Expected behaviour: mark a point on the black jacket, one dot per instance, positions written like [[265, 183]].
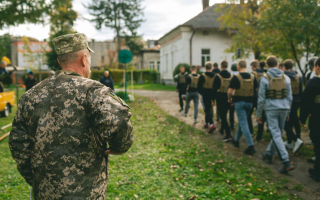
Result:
[[308, 106], [30, 83], [217, 84], [207, 93]]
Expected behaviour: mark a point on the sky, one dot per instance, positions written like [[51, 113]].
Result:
[[161, 16]]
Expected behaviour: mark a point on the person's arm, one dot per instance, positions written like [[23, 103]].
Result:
[[101, 80], [307, 102], [111, 84], [111, 119], [232, 87], [261, 96], [21, 144], [200, 84], [188, 81], [216, 86], [289, 92], [300, 87]]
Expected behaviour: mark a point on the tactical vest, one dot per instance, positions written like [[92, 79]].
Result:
[[258, 75], [225, 82], [295, 85], [194, 81], [182, 78], [246, 86], [277, 87], [208, 83]]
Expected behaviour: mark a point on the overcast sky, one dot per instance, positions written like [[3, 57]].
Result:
[[161, 16]]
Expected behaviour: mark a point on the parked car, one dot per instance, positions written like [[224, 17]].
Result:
[[7, 100]]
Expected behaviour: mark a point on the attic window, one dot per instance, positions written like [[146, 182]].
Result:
[[205, 33]]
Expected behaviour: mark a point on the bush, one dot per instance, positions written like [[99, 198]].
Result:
[[177, 70]]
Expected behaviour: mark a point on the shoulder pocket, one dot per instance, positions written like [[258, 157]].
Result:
[[118, 99]]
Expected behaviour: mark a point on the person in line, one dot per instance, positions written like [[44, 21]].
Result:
[[220, 89], [66, 126], [241, 93], [276, 97], [310, 108], [181, 85], [216, 71], [234, 71], [107, 80], [311, 74], [296, 88], [30, 81], [205, 88], [192, 92]]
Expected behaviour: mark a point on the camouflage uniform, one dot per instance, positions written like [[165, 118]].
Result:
[[60, 132]]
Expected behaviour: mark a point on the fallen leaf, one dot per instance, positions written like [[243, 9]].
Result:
[[136, 196], [181, 196], [193, 197]]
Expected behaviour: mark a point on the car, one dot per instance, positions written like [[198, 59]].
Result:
[[7, 100]]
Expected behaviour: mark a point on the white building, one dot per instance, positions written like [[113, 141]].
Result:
[[195, 42]]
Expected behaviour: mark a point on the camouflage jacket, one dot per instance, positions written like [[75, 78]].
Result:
[[61, 129]]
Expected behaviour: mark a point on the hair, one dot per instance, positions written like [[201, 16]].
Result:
[[242, 64], [71, 57], [317, 62], [311, 63], [215, 65], [224, 64], [181, 66], [193, 68], [234, 67], [262, 64], [255, 64], [272, 61], [3, 63], [288, 64], [208, 65]]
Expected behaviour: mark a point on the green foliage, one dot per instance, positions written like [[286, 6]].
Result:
[[151, 86], [177, 69], [5, 46], [62, 20], [146, 76], [124, 17], [135, 44]]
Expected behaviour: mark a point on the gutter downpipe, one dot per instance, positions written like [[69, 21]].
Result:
[[194, 31]]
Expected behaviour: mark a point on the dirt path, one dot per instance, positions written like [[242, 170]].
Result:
[[168, 101]]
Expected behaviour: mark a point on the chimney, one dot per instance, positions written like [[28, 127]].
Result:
[[205, 4]]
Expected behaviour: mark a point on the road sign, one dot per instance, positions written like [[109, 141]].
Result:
[[125, 56]]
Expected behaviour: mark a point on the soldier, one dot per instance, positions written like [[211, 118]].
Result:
[[275, 95], [234, 71], [258, 73], [107, 80], [220, 88], [243, 85], [296, 88], [205, 88], [216, 71], [312, 73], [192, 92], [66, 126], [310, 107], [30, 81], [181, 86]]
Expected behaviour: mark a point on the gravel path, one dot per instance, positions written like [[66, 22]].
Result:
[[169, 102]]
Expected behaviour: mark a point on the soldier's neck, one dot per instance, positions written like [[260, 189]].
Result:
[[74, 69], [242, 70]]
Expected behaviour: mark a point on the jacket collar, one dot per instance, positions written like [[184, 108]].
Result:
[[63, 72]]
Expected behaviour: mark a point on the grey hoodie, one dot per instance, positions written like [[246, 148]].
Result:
[[275, 104]]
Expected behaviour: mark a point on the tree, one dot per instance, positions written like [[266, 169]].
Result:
[[134, 43], [5, 46], [296, 24], [14, 12], [124, 16], [62, 19]]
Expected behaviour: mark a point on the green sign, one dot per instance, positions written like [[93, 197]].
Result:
[[125, 56]]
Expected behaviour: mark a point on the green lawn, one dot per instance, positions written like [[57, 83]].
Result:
[[150, 87], [169, 160]]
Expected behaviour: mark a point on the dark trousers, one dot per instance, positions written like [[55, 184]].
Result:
[[182, 91], [231, 115], [293, 123], [315, 137], [223, 106], [208, 110], [249, 117], [261, 126]]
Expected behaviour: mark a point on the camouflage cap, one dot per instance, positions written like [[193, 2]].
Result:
[[70, 43]]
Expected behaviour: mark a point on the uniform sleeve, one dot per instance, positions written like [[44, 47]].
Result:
[[261, 96], [233, 82], [307, 101], [111, 118], [200, 84], [216, 86], [21, 145]]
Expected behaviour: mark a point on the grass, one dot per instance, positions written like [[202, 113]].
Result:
[[151, 86], [169, 160]]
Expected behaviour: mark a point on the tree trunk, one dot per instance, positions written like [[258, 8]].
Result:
[[297, 60]]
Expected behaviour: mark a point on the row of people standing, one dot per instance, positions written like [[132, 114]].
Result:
[[276, 95]]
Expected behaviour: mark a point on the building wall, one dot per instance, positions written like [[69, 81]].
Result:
[[104, 53], [150, 57]]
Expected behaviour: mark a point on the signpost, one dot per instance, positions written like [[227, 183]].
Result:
[[125, 56]]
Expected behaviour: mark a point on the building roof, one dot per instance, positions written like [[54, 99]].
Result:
[[207, 19]]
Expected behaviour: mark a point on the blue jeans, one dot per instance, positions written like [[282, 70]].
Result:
[[242, 109], [195, 97], [276, 121]]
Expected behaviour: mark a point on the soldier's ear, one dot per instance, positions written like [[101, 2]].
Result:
[[59, 62], [83, 59]]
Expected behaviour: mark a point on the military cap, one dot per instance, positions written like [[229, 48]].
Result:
[[70, 43]]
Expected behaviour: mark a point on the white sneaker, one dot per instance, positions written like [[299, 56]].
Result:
[[195, 121], [288, 146], [297, 145]]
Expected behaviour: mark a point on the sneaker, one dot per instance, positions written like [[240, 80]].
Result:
[[212, 128], [312, 159], [287, 166], [249, 151], [266, 157], [206, 126], [258, 139], [235, 143], [297, 145], [227, 139], [195, 121], [311, 172], [288, 146]]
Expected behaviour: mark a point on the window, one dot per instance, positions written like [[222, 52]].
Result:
[[151, 65], [158, 66], [205, 56]]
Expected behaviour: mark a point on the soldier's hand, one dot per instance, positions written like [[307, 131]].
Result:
[[304, 125], [109, 152], [177, 90], [260, 120], [288, 118]]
